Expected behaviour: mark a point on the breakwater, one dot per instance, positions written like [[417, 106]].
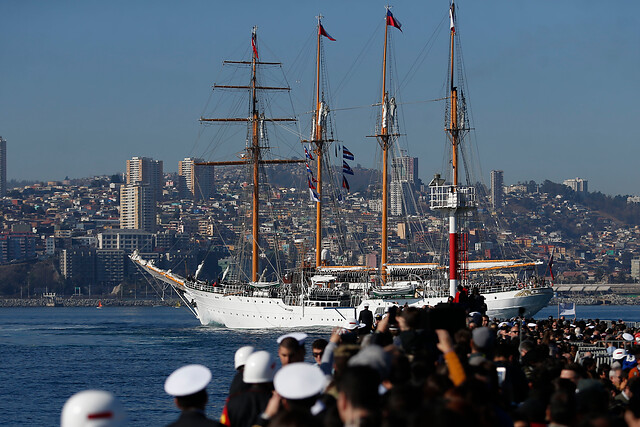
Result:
[[612, 299], [85, 302]]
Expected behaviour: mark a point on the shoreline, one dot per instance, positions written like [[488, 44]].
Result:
[[611, 299], [85, 302]]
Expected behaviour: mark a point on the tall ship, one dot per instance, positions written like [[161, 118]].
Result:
[[317, 294]]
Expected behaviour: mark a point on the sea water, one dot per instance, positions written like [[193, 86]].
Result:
[[48, 354]]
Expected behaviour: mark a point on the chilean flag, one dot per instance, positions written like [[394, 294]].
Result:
[[345, 183], [346, 168], [314, 196], [324, 33], [346, 154], [393, 21]]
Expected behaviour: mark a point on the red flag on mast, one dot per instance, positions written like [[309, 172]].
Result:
[[253, 44], [324, 33], [393, 21]]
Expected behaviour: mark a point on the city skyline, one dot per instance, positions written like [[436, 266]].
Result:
[[87, 86]]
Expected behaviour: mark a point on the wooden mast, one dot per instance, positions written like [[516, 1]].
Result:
[[454, 133], [319, 148], [255, 149], [255, 157], [384, 144]]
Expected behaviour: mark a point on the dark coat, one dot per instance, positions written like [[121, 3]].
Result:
[[244, 409], [193, 418], [366, 317]]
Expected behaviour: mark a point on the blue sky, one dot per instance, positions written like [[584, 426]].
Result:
[[552, 85]]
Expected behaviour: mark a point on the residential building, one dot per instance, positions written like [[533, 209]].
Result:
[[78, 264], [127, 240], [148, 171], [404, 178], [635, 268], [578, 185], [137, 207], [3, 167], [17, 246], [195, 181], [497, 191]]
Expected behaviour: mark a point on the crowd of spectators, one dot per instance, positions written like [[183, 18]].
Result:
[[439, 366]]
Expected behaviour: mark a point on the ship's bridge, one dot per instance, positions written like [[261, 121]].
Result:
[[452, 197]]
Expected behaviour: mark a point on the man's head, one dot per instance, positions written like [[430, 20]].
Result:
[[93, 407], [188, 386], [572, 372], [260, 368], [290, 351], [317, 349], [357, 392], [615, 375], [299, 385]]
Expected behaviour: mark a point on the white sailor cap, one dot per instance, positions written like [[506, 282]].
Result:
[[619, 354], [366, 305], [187, 380], [532, 325], [241, 355], [298, 381], [627, 336], [352, 324], [298, 336]]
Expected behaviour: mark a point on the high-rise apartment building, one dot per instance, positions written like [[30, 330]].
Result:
[[147, 171], [405, 168], [137, 207], [196, 181], [497, 190], [3, 166], [404, 178], [578, 185]]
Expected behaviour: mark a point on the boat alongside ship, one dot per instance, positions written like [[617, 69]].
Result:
[[323, 295]]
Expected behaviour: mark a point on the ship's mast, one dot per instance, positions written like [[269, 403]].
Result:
[[318, 141], [453, 132], [255, 155], [254, 149], [385, 143], [455, 198]]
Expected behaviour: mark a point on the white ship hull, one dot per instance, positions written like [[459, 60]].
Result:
[[214, 306], [239, 312]]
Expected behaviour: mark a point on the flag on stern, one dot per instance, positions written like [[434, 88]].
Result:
[[566, 309]]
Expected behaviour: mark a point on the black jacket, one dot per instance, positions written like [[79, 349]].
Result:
[[194, 418]]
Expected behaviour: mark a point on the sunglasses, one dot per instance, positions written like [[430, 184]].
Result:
[[317, 354]]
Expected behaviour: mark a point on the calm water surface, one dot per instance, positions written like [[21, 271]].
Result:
[[48, 354]]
